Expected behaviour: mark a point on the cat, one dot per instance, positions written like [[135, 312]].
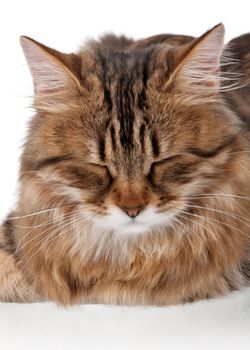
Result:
[[134, 179]]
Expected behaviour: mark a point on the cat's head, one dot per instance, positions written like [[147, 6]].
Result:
[[130, 134]]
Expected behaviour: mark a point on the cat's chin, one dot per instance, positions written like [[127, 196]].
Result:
[[133, 228], [121, 224]]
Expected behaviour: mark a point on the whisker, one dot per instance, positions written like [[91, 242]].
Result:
[[66, 223], [43, 223], [193, 233], [48, 210], [31, 214], [216, 196], [43, 232], [199, 223], [77, 221], [214, 220], [221, 195], [86, 219], [212, 233], [237, 217], [238, 152], [44, 211], [51, 239]]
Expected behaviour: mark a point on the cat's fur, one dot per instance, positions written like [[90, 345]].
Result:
[[127, 128]]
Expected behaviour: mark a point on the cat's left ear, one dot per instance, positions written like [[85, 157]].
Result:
[[54, 73], [198, 71]]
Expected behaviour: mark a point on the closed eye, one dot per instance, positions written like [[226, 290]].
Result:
[[45, 162], [212, 152], [197, 152], [162, 162]]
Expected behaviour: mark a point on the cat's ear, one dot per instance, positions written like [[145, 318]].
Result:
[[51, 74], [199, 68]]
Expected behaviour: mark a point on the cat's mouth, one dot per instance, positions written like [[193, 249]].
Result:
[[134, 227], [117, 221]]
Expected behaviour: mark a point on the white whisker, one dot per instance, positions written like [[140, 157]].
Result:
[[51, 238], [209, 195], [218, 228], [214, 220], [237, 217], [43, 232]]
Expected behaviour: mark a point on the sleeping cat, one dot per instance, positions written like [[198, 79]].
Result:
[[134, 179]]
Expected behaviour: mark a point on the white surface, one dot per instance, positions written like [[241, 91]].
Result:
[[216, 324], [65, 24]]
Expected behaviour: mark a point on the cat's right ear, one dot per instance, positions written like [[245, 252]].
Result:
[[194, 75], [51, 76]]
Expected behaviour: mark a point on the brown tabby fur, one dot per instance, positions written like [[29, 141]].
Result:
[[122, 107]]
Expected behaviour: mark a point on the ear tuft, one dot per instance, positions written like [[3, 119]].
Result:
[[199, 70], [50, 76]]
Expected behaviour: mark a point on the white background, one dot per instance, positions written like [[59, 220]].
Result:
[[65, 25]]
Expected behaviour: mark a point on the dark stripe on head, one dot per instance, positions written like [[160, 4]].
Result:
[[141, 100], [155, 145], [142, 97], [142, 135], [126, 114], [103, 78], [146, 67], [112, 135], [102, 149], [108, 99]]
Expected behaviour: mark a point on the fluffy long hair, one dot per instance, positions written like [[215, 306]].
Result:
[[134, 181]]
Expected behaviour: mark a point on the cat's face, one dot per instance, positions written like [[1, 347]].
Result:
[[129, 149]]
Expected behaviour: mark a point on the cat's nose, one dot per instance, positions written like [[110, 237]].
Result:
[[132, 211]]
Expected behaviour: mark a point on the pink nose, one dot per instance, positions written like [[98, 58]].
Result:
[[132, 212]]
